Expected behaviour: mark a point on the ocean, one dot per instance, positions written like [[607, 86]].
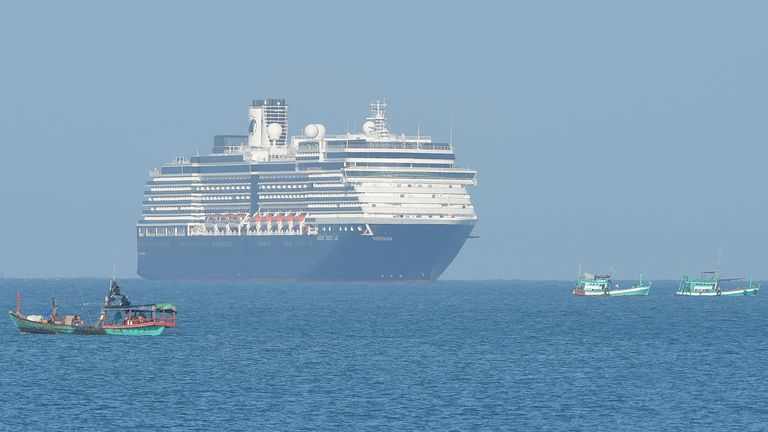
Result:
[[452, 355]]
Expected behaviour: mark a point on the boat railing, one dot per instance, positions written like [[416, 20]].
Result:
[[251, 229], [139, 316], [389, 145]]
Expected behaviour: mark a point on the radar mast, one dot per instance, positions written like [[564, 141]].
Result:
[[379, 118]]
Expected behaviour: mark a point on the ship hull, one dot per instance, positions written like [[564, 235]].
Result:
[[392, 252]]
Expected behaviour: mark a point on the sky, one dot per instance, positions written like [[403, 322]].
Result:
[[613, 135]]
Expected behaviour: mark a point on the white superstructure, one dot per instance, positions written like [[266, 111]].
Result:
[[370, 176]]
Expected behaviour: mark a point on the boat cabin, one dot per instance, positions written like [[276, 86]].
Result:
[[157, 314], [708, 282], [594, 283]]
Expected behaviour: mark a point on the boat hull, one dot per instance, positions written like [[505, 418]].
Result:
[[394, 252], [140, 331], [738, 292], [633, 291], [26, 326]]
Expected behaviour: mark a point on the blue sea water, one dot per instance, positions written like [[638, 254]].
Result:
[[490, 355]]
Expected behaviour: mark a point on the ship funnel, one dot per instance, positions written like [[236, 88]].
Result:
[[257, 130]]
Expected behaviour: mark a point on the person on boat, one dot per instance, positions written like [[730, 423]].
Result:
[[114, 294]]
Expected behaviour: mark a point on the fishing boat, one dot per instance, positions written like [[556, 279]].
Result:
[[51, 323], [118, 317], [602, 285], [709, 285]]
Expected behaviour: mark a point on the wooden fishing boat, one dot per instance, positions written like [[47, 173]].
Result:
[[590, 285], [710, 285], [38, 324], [118, 317], [138, 320]]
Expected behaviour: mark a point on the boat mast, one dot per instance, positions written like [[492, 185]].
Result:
[[85, 307], [717, 268], [18, 301]]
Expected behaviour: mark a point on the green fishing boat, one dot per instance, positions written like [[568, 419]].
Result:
[[709, 285], [118, 317], [138, 320], [602, 285], [39, 324]]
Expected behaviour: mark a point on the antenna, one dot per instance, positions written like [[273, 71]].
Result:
[[579, 270], [450, 139], [114, 267], [18, 301], [719, 252]]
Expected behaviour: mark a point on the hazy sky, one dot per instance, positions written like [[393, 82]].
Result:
[[614, 134]]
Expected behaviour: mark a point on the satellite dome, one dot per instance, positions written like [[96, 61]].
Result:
[[320, 131], [274, 130], [369, 127], [311, 131]]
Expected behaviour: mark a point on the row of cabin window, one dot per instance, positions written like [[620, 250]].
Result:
[[351, 228], [204, 198], [240, 187]]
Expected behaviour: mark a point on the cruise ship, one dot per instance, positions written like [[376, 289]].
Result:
[[364, 206]]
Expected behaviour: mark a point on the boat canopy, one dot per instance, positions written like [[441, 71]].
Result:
[[591, 276], [160, 307], [166, 307]]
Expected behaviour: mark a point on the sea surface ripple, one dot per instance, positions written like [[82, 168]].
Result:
[[454, 355]]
